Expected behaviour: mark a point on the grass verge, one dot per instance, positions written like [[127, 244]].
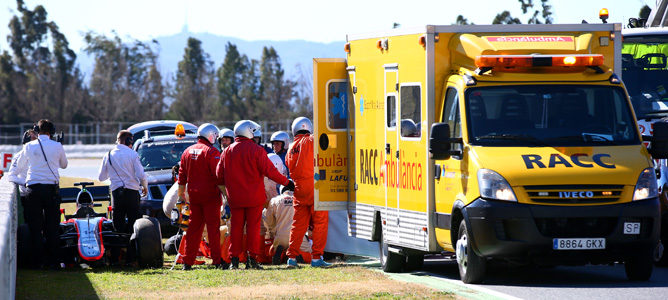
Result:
[[340, 281]]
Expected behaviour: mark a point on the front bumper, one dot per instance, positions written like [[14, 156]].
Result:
[[525, 233]]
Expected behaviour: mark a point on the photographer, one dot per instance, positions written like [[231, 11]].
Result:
[[17, 175], [121, 165], [42, 158]]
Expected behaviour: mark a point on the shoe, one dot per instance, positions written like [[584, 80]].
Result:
[[320, 263], [276, 259], [292, 263], [251, 263], [234, 265], [222, 265], [187, 267], [300, 259]]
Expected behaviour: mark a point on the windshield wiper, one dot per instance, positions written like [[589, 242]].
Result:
[[512, 137], [587, 137]]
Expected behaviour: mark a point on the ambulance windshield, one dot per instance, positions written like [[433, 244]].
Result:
[[645, 74], [549, 115]]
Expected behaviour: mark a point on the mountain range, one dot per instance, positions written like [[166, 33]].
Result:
[[296, 55]]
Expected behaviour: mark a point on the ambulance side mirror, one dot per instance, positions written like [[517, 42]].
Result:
[[659, 141], [440, 143]]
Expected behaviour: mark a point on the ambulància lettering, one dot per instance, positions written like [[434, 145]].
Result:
[[550, 39]]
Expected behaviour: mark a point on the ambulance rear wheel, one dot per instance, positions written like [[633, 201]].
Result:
[[414, 262], [389, 261], [472, 267], [639, 267]]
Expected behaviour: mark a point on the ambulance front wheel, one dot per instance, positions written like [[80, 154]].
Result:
[[389, 261], [472, 267], [639, 267]]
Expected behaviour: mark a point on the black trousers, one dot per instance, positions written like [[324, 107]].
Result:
[[42, 213], [125, 213]]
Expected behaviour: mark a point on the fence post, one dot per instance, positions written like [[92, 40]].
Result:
[[97, 133], [69, 134]]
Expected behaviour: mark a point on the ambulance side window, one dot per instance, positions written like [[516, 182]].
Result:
[[451, 114], [411, 111], [337, 109], [391, 111]]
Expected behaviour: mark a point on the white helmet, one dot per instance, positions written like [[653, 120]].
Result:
[[226, 132], [301, 123], [208, 131], [246, 128], [280, 136], [278, 163], [258, 133], [408, 128]]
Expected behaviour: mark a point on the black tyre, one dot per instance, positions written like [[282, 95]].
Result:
[[148, 243], [23, 245], [389, 261], [472, 268], [661, 253], [639, 268], [414, 262]]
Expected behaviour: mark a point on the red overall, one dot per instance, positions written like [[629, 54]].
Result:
[[242, 168], [198, 171], [300, 163]]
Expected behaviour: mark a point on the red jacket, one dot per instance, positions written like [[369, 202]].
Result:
[[198, 170], [300, 163], [242, 169]]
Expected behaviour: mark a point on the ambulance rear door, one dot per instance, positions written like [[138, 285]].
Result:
[[331, 92]]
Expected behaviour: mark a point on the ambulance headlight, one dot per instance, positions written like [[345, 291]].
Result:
[[494, 186], [646, 187]]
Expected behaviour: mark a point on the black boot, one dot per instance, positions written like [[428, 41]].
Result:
[[222, 265], [276, 259], [234, 265], [187, 267], [251, 263]]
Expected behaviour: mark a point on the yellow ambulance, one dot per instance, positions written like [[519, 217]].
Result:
[[493, 142]]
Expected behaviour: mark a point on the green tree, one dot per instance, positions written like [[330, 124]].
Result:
[[276, 93], [40, 80], [644, 12], [303, 106], [230, 76], [125, 84], [538, 14], [462, 21], [194, 85], [505, 18]]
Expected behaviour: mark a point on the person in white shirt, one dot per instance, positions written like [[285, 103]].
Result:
[[17, 175], [42, 158], [121, 165]]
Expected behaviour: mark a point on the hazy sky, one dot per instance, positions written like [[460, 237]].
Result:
[[311, 20]]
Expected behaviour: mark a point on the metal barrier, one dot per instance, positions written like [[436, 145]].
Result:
[[8, 227], [105, 132]]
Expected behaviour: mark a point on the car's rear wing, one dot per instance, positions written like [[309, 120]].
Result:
[[99, 193]]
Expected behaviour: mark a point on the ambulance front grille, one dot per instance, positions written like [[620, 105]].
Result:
[[574, 194]]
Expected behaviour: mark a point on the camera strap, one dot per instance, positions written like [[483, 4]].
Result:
[[112, 166], [47, 162]]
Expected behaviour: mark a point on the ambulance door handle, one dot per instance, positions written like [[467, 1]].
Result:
[[387, 148], [396, 154]]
